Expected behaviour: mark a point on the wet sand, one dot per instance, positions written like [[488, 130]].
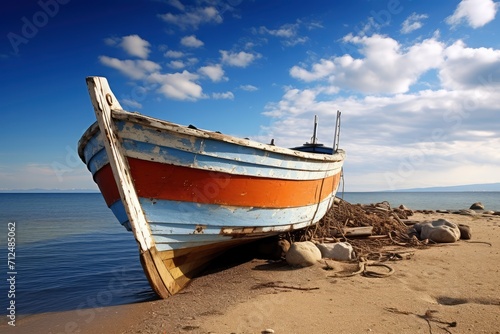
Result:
[[447, 288]]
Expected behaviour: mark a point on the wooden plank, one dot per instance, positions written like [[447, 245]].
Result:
[[355, 231], [104, 101]]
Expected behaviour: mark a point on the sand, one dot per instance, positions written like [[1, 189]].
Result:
[[448, 288]]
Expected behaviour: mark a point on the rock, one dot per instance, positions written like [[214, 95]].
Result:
[[468, 212], [406, 210], [340, 251], [303, 254], [441, 231], [496, 213], [403, 207], [383, 205], [267, 331], [443, 211], [477, 206], [465, 232]]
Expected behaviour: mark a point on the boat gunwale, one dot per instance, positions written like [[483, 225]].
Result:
[[205, 134]]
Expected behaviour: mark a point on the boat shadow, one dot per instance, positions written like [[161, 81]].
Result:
[[266, 249]]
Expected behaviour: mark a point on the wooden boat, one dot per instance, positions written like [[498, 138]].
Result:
[[189, 194]]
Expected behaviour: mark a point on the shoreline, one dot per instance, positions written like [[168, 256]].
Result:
[[442, 283]]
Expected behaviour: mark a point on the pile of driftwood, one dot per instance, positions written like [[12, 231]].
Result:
[[368, 228]]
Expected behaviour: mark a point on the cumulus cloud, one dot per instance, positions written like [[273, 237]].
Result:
[[179, 86], [386, 68], [240, 59], [413, 22], [134, 69], [476, 13], [176, 64], [223, 96], [174, 54], [467, 67], [409, 134], [214, 72], [193, 18], [135, 46], [191, 41]]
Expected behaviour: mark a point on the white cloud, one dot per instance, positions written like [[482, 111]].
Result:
[[409, 139], [287, 32], [386, 68], [179, 86], [214, 72], [111, 41], [223, 96], [131, 103], [413, 22], [135, 69], [135, 46], [470, 67], [191, 41], [248, 88], [176, 64], [476, 13], [174, 54], [176, 4], [240, 59], [193, 18], [403, 138]]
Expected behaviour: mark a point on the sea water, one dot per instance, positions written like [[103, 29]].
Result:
[[428, 200], [72, 254]]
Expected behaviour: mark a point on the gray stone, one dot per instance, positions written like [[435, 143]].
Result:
[[340, 251], [303, 254], [441, 231], [477, 206], [468, 212], [465, 232]]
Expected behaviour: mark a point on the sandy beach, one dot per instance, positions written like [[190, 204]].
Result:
[[445, 288]]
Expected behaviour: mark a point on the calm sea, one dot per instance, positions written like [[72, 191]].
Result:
[[71, 253], [428, 200]]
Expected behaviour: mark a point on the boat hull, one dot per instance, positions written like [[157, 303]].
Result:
[[203, 192]]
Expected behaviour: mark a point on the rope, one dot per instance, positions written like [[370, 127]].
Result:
[[363, 265]]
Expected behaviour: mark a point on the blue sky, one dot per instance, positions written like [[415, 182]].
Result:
[[416, 81]]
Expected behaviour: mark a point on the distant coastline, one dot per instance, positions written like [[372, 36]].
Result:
[[459, 188]]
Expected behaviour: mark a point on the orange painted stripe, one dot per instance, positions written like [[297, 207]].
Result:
[[169, 182]]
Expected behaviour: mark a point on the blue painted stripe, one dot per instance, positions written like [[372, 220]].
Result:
[[176, 225], [192, 214]]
